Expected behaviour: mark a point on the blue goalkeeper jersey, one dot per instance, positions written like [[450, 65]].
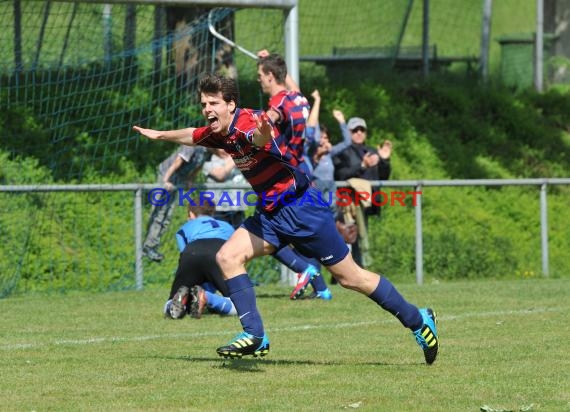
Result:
[[203, 227]]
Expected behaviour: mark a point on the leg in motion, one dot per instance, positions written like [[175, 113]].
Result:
[[231, 258], [307, 272], [422, 322]]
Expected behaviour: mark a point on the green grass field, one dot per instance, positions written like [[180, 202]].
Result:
[[503, 344]]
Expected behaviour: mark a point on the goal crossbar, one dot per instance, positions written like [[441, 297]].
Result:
[[290, 29], [270, 4]]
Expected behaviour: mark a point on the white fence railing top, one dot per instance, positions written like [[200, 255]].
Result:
[[381, 183]]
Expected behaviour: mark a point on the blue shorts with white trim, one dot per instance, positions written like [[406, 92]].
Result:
[[306, 222]]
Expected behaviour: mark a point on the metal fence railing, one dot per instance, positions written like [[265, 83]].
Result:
[[138, 189]]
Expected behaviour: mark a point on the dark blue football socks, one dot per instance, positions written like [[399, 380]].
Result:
[[390, 299], [242, 295]]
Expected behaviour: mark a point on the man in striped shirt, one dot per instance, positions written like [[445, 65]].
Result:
[[289, 110], [289, 212]]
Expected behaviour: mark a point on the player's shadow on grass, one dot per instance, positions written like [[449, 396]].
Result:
[[254, 364], [272, 295]]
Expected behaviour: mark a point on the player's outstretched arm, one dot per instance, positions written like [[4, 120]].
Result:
[[291, 84], [313, 119], [180, 136]]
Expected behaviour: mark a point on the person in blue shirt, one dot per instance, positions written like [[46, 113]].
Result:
[[320, 150], [198, 276]]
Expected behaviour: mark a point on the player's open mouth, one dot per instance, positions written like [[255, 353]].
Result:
[[214, 123]]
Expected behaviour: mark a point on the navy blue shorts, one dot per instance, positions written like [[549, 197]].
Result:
[[307, 223]]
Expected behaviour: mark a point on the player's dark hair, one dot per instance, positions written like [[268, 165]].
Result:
[[214, 84], [205, 208], [275, 64]]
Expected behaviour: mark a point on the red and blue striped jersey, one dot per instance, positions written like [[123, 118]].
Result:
[[270, 170], [293, 109]]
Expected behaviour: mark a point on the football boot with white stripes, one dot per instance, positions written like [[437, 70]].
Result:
[[426, 336], [245, 344]]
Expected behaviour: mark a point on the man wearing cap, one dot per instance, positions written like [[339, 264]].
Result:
[[359, 164]]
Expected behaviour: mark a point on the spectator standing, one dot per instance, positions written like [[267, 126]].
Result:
[[222, 169], [359, 164], [320, 150], [175, 172]]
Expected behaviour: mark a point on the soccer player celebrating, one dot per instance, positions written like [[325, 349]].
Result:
[[289, 212], [289, 110]]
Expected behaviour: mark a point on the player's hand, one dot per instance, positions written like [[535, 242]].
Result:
[[316, 95], [264, 126], [169, 186], [150, 133], [263, 53]]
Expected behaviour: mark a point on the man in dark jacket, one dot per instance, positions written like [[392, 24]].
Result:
[[364, 162]]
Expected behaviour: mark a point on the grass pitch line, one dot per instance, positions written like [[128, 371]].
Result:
[[343, 325]]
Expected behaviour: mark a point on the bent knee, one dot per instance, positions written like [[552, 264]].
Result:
[[228, 258], [347, 282], [224, 257], [360, 280]]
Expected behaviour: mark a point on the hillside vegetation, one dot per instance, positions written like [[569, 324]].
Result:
[[454, 128], [445, 128]]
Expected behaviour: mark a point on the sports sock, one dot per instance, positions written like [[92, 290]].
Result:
[[309, 260], [209, 287], [242, 295], [318, 283], [301, 263], [290, 259], [220, 304], [390, 299]]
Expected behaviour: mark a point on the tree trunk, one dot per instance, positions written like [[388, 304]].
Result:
[[129, 41], [192, 55], [557, 22]]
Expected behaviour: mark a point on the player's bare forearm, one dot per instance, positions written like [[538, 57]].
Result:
[[180, 136], [291, 84], [313, 119]]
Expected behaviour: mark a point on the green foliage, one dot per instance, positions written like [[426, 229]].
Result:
[[479, 130], [447, 127], [84, 127], [22, 133], [63, 241]]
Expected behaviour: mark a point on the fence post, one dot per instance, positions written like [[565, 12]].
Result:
[[419, 239], [539, 46], [291, 31], [544, 228], [485, 38], [425, 40], [288, 277], [138, 239]]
